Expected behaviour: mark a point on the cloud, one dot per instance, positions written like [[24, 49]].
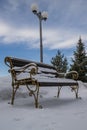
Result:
[[60, 38], [11, 34], [64, 13], [52, 38]]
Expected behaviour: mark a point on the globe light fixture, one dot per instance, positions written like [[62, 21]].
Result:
[[34, 8]]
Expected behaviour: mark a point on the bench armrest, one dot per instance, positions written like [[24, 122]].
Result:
[[72, 75], [30, 68]]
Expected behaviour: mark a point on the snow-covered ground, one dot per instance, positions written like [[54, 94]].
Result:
[[65, 113]]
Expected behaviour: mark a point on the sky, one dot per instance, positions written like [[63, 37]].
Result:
[[19, 29]]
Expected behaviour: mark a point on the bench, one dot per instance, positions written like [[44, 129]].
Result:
[[35, 75]]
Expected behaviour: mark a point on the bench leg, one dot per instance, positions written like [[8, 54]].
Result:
[[75, 89], [36, 99], [58, 93], [13, 93], [76, 92], [35, 93]]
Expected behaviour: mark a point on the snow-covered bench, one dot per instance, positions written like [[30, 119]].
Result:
[[35, 75]]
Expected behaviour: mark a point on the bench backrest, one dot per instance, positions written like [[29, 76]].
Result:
[[44, 68]]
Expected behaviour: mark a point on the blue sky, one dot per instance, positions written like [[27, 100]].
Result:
[[19, 29]]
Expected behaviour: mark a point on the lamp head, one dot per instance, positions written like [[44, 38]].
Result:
[[34, 8], [45, 15]]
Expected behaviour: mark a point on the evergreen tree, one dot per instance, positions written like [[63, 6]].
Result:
[[79, 63], [60, 62], [65, 65]]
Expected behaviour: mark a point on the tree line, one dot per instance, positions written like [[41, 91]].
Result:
[[79, 61]]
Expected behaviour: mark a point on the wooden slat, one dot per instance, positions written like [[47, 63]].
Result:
[[57, 84], [21, 62]]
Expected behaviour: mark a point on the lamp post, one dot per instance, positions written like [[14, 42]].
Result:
[[41, 16]]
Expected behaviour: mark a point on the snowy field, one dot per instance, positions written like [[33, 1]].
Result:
[[65, 113]]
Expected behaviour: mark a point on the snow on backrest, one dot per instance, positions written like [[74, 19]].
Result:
[[42, 73], [44, 70], [47, 72]]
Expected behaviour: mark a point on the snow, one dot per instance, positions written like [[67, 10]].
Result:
[[65, 113]]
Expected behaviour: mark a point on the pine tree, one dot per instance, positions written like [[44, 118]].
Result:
[[79, 63], [60, 62], [65, 65]]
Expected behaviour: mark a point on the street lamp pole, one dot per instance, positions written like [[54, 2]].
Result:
[[41, 16], [41, 45]]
